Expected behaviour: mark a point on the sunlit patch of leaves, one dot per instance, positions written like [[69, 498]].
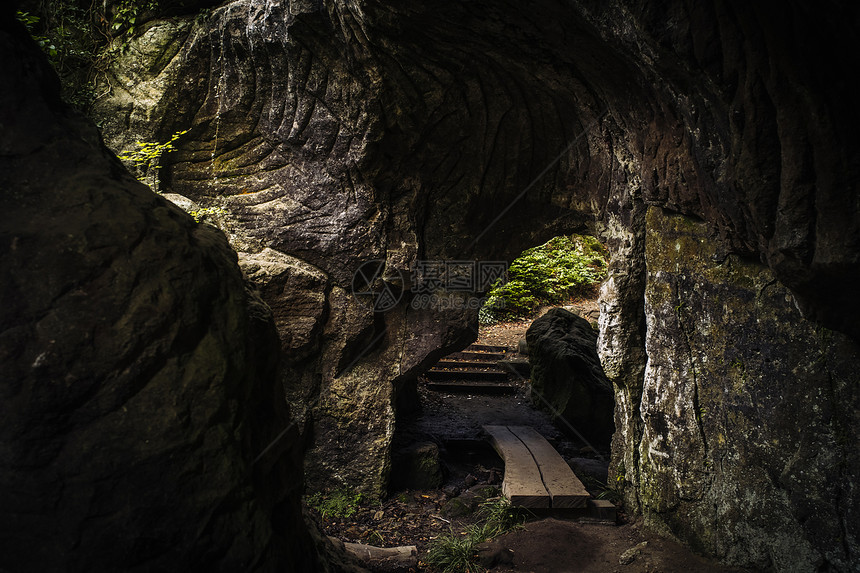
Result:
[[145, 160], [341, 504], [561, 268]]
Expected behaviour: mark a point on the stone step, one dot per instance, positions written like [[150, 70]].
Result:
[[448, 363], [487, 348], [466, 374], [477, 356], [471, 387]]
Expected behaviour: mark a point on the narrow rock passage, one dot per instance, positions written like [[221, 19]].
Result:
[[451, 418]]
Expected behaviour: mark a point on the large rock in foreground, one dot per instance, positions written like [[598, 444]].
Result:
[[138, 390], [567, 377]]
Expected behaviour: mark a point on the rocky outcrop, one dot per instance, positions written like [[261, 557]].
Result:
[[142, 426], [748, 411], [566, 376], [334, 133]]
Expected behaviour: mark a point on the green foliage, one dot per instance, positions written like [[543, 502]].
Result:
[[454, 553], [601, 490], [499, 516], [57, 31], [551, 273], [342, 503], [126, 13], [31, 22], [145, 160], [77, 37], [201, 214]]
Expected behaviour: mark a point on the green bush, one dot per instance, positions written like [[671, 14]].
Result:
[[561, 268], [145, 160], [453, 553]]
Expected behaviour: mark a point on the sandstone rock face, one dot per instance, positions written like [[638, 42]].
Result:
[[138, 387], [748, 449], [334, 133], [566, 374]]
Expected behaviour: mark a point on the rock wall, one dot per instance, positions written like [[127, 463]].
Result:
[[138, 386], [334, 133], [749, 411]]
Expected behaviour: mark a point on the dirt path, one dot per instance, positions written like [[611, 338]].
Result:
[[556, 546], [510, 333]]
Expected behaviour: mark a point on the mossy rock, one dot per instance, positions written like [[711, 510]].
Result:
[[418, 467]]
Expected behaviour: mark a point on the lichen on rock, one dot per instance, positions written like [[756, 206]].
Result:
[[745, 410]]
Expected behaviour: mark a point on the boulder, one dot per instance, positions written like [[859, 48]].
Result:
[[746, 411], [418, 467], [567, 378], [142, 426], [590, 468]]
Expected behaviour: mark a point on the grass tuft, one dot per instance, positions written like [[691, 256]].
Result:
[[453, 553]]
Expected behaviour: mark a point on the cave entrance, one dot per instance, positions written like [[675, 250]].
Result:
[[440, 442]]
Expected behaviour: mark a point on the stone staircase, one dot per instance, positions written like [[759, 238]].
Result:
[[475, 370]]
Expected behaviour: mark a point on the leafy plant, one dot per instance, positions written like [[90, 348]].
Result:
[[31, 22], [78, 38], [603, 490], [341, 503], [561, 268], [145, 160], [127, 12]]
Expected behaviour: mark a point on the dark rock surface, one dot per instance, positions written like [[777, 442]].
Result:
[[419, 467], [338, 132], [138, 388], [567, 377], [750, 413]]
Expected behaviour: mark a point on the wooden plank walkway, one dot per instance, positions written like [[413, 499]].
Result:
[[536, 476]]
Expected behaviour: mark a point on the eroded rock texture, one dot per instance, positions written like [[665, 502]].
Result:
[[749, 411], [333, 133], [138, 387]]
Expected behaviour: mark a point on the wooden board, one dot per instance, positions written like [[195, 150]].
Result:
[[565, 489], [522, 484]]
